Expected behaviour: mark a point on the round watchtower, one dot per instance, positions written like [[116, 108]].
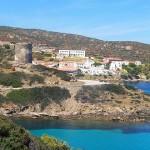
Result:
[[23, 53]]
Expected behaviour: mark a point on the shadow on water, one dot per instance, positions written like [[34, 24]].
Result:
[[126, 128]]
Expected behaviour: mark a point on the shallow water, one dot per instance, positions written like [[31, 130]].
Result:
[[94, 135]]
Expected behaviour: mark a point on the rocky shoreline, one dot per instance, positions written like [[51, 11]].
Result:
[[87, 102], [102, 113]]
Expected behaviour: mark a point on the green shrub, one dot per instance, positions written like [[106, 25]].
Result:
[[6, 65], [2, 99], [96, 93], [64, 76], [114, 88], [6, 55], [36, 78], [51, 71], [15, 79], [11, 79], [54, 143], [6, 46], [38, 95]]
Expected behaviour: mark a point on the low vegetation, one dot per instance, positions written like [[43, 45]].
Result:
[[98, 93], [13, 137], [41, 95], [54, 143], [135, 71], [16, 79], [6, 54], [51, 71], [2, 99]]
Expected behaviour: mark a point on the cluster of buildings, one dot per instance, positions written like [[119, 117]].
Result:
[[86, 65], [116, 64], [77, 62]]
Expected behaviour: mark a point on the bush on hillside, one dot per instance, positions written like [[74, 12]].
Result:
[[11, 79], [6, 65], [15, 79], [2, 99], [42, 95], [51, 71], [6, 46], [6, 54], [36, 79], [114, 88], [54, 143], [97, 93]]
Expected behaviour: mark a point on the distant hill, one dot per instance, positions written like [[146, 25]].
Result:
[[124, 49]]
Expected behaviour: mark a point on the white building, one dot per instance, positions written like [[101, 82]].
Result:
[[87, 63], [117, 65], [138, 63], [99, 70], [72, 53]]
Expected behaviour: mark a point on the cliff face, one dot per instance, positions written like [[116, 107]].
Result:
[[126, 50]]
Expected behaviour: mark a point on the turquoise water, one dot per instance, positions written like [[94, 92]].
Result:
[[93, 135], [100, 139], [145, 86]]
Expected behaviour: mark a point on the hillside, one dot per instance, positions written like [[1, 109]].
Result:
[[126, 50]]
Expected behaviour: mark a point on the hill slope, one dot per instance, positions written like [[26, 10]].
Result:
[[126, 50]]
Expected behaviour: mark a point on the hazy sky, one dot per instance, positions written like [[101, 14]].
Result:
[[103, 19]]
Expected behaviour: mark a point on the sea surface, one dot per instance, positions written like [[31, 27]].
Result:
[[145, 86], [95, 135]]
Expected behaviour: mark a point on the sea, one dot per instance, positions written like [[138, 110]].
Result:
[[95, 135]]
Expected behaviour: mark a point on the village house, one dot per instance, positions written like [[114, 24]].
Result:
[[68, 66], [71, 53], [96, 70], [85, 63], [117, 65]]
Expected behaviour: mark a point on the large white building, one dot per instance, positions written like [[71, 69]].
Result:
[[72, 53]]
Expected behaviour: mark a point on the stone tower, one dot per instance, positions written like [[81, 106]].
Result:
[[23, 53]]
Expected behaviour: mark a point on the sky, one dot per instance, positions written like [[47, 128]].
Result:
[[114, 20]]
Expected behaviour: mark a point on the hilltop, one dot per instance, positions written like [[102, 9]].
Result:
[[124, 49]]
